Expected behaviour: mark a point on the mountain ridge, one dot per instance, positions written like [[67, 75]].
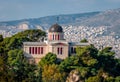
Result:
[[109, 18]]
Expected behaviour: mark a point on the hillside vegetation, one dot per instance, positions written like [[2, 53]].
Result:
[[88, 65]]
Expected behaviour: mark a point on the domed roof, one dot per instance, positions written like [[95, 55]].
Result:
[[55, 28]]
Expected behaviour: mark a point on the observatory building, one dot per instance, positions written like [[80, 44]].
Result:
[[55, 43]]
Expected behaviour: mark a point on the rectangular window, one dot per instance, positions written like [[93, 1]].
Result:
[[35, 50], [61, 50], [41, 50], [58, 50], [58, 36], [72, 50], [53, 37], [29, 50]]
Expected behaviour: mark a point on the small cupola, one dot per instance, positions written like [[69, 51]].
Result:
[[55, 28], [55, 33]]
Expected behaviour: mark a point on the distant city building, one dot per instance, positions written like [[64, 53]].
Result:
[[54, 43]]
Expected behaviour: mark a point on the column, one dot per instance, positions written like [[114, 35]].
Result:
[[39, 50], [50, 37], [32, 50]]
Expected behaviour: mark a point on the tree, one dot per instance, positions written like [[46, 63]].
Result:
[[31, 35], [4, 75], [108, 62], [117, 79], [16, 41], [39, 75], [87, 55], [21, 68], [15, 56], [1, 38], [84, 41], [70, 63], [3, 70], [94, 79], [52, 74], [109, 79], [83, 71], [50, 58]]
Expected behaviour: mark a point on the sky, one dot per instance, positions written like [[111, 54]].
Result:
[[25, 9]]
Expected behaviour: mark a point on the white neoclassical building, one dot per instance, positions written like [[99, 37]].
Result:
[[55, 43]]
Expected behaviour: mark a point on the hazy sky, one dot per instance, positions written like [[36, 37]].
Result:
[[20, 9]]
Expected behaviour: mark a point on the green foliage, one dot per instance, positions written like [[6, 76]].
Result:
[[32, 35], [89, 64], [3, 72], [4, 75], [84, 41], [19, 65], [107, 52], [52, 74], [15, 56], [50, 58], [117, 79], [83, 71], [1, 38], [94, 79], [87, 51], [109, 79], [15, 42], [39, 75], [1, 50], [89, 61], [108, 62], [70, 63], [87, 55], [13, 64]]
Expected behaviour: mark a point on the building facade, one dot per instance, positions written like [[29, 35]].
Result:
[[55, 43]]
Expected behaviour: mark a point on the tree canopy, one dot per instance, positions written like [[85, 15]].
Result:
[[88, 64]]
